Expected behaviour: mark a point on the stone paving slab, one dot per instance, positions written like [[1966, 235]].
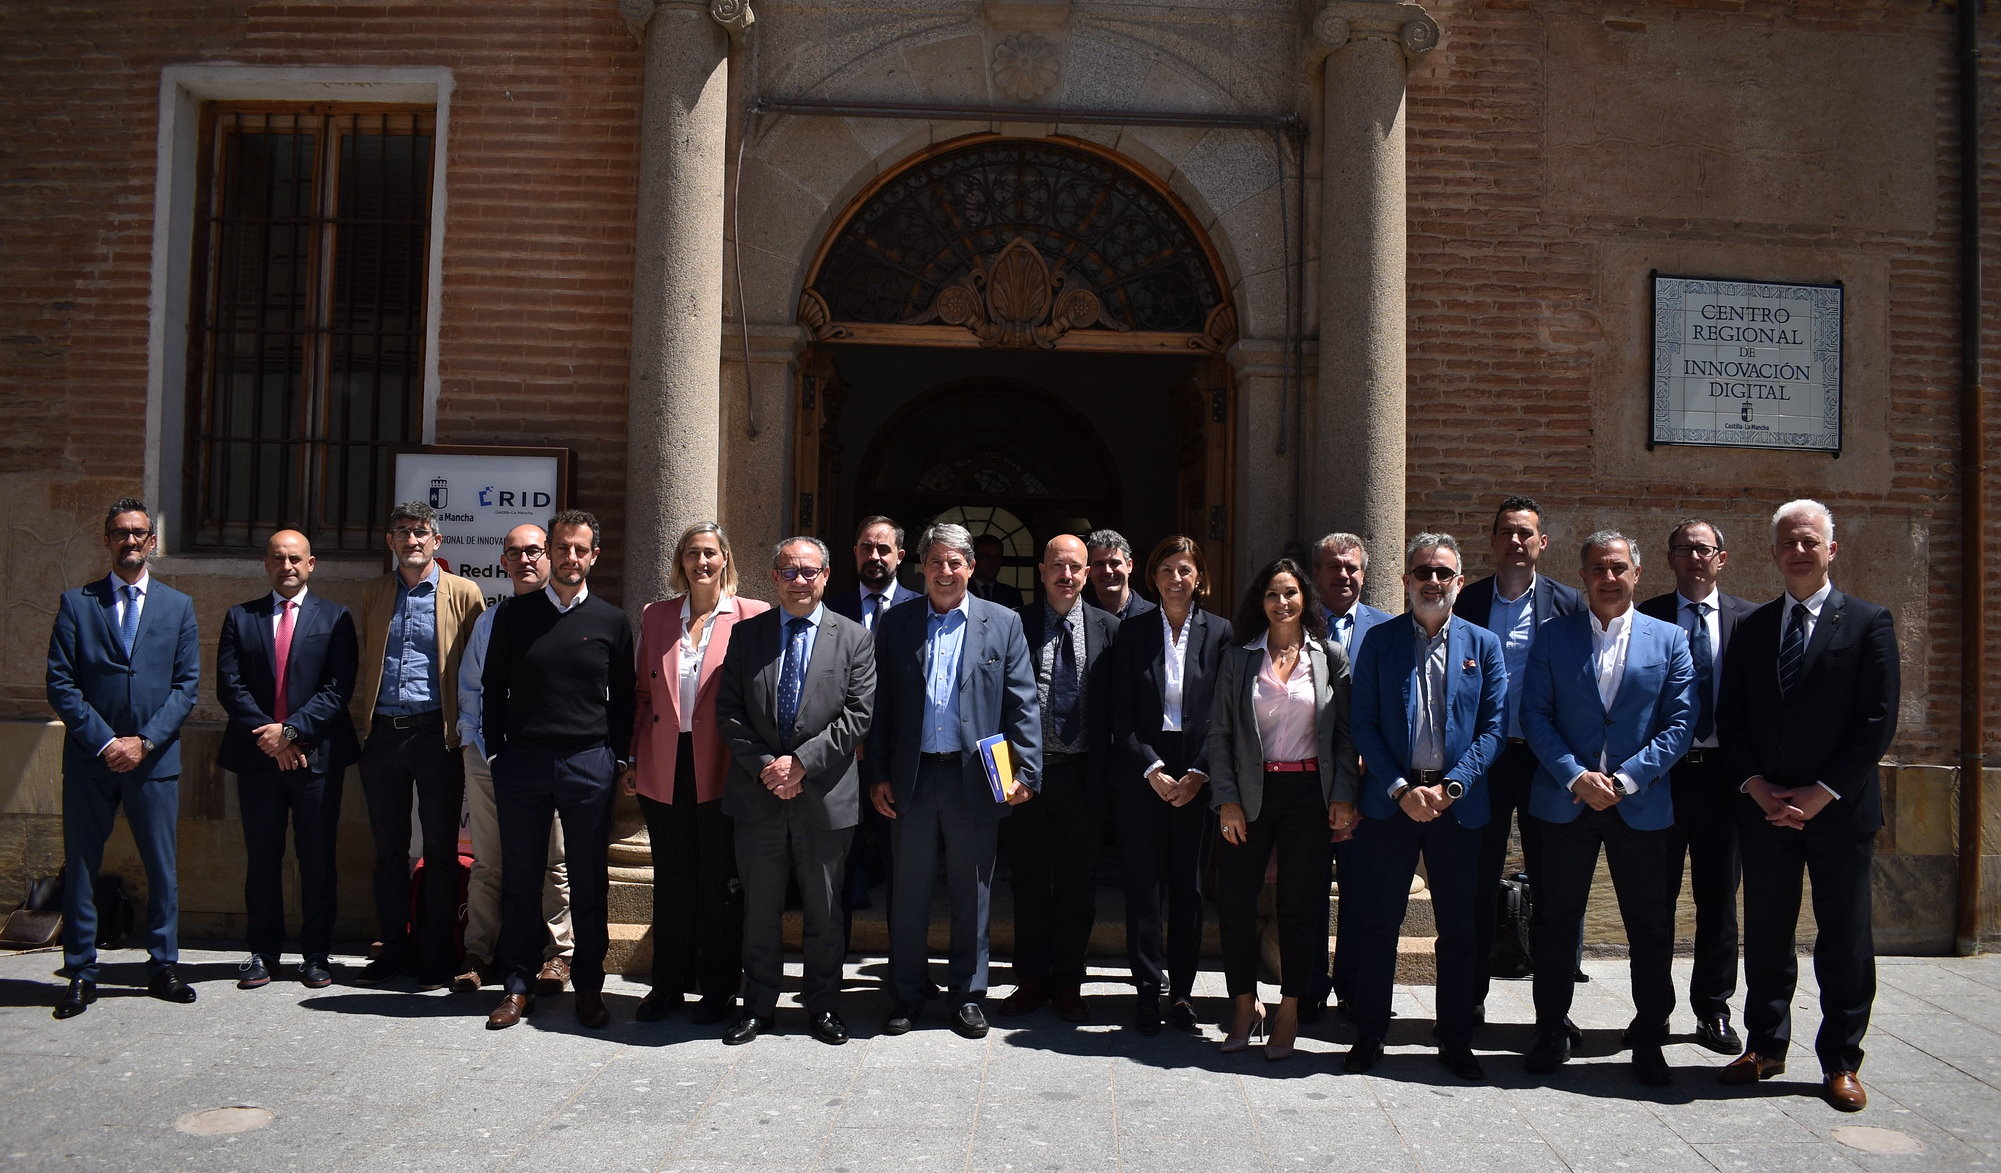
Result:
[[391, 1079]]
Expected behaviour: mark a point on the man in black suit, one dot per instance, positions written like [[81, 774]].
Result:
[[1111, 587], [986, 584], [1807, 709], [284, 672], [1052, 843], [878, 552], [1512, 602], [1705, 824], [797, 690]]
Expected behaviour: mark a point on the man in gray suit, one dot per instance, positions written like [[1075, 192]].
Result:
[[798, 684], [951, 672]]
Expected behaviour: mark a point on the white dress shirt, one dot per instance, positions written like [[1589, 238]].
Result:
[[1609, 643]]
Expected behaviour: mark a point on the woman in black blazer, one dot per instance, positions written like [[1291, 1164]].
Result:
[[1164, 671]]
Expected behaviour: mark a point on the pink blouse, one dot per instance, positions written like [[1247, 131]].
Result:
[[1286, 726]]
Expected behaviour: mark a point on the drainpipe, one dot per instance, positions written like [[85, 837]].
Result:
[[1972, 487]]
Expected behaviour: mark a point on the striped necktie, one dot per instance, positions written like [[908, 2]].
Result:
[[1792, 650]]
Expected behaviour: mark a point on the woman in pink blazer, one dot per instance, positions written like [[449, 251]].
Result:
[[680, 761]]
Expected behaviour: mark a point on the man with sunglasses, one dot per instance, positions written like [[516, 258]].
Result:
[[795, 700], [524, 554], [414, 624]]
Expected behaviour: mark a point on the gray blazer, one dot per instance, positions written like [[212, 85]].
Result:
[[1236, 755], [836, 701]]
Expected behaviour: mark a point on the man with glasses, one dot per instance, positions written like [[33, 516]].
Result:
[[124, 657], [525, 556], [1111, 576], [1705, 823], [414, 624], [556, 719]]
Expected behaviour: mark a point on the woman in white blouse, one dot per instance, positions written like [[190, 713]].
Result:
[[1282, 771], [680, 761]]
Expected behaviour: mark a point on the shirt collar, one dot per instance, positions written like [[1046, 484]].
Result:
[[725, 604], [278, 600], [965, 607], [430, 580], [814, 617], [1526, 595], [118, 584], [1613, 628], [1683, 602], [583, 592], [1815, 601]]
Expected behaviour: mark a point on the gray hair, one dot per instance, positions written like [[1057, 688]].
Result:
[[1343, 541], [1605, 537], [418, 511], [1686, 522], [944, 533], [778, 551], [1109, 539], [1427, 541], [1804, 507]]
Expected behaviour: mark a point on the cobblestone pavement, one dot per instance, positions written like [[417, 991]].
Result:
[[353, 1079]]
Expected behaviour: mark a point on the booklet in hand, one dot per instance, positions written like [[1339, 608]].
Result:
[[998, 757]]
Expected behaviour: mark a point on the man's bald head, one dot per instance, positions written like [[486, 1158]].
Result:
[[288, 562], [1065, 563], [524, 552]]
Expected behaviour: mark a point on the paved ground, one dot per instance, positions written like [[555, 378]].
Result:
[[369, 1079]]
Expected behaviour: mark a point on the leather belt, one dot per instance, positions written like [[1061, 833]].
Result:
[[417, 720], [1308, 766], [1698, 756], [1427, 777], [1518, 741], [941, 757]]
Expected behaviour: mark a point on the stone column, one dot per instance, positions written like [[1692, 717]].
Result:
[[1358, 445]]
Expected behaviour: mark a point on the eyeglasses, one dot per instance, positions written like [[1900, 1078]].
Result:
[[525, 553], [1692, 550], [407, 532], [132, 535], [1433, 573], [795, 573]]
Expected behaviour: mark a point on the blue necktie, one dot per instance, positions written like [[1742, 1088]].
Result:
[[128, 624], [874, 609], [1792, 650], [1063, 690], [791, 675], [1346, 628], [1705, 671]]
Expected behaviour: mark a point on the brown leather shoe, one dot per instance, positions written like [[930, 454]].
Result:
[[591, 1010], [1070, 1005], [1844, 1092], [1749, 1068], [467, 982], [554, 976], [512, 1009], [1027, 998]]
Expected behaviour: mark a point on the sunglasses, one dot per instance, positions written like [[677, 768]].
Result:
[[795, 573]]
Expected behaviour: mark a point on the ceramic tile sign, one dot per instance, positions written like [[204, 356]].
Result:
[[1746, 364]]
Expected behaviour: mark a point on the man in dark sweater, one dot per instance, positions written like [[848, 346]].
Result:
[[556, 722]]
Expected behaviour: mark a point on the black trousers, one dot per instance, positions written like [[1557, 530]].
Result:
[[1163, 853], [393, 763], [1844, 950], [770, 851], [310, 800], [1638, 863], [1507, 803], [1705, 831], [1052, 849], [698, 907], [530, 788], [1293, 822], [1383, 856]]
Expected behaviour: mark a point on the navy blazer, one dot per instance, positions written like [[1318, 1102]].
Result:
[[319, 682], [1137, 713], [100, 693], [996, 695], [1384, 711], [1644, 732], [1730, 611], [1366, 617], [1552, 598], [1101, 633], [1834, 726], [848, 603]]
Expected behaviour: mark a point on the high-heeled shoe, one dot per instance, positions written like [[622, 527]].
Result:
[[1283, 1035], [1254, 1029]]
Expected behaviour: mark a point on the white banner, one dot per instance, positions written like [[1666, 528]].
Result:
[[480, 494]]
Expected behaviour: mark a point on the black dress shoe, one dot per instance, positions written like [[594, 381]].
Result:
[[1459, 1059], [828, 1028], [382, 969], [167, 986], [76, 999], [711, 1010], [1715, 1032], [747, 1028], [1573, 1032], [1311, 1011], [315, 973], [658, 1005], [591, 1010], [1650, 1067], [1551, 1051], [1181, 1013], [969, 1021], [256, 972], [1365, 1054], [902, 1018], [1146, 1016]]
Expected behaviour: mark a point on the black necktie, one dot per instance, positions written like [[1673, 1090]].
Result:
[[1792, 650], [874, 609], [1705, 673], [1063, 686]]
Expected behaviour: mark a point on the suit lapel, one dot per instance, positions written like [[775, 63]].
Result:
[[712, 655], [107, 607], [1824, 629]]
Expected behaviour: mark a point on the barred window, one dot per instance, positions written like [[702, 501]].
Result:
[[306, 322]]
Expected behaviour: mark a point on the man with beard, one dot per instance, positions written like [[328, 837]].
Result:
[[878, 552], [1111, 576], [1430, 693]]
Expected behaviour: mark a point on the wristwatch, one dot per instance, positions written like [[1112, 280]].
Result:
[[291, 732], [1397, 794], [146, 744], [1454, 789]]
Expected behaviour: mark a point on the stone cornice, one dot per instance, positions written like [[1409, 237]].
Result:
[[1344, 22], [734, 15]]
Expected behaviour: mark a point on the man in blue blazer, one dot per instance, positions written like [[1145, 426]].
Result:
[[878, 552], [1429, 696], [124, 659], [1609, 706], [284, 672], [949, 672]]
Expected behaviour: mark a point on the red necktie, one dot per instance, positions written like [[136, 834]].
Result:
[[279, 711]]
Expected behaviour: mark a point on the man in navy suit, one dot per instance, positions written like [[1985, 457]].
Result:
[[878, 552], [1608, 704], [1429, 697], [989, 551], [1512, 603], [949, 672], [1808, 707], [1340, 567], [1705, 815], [284, 672], [124, 659]]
